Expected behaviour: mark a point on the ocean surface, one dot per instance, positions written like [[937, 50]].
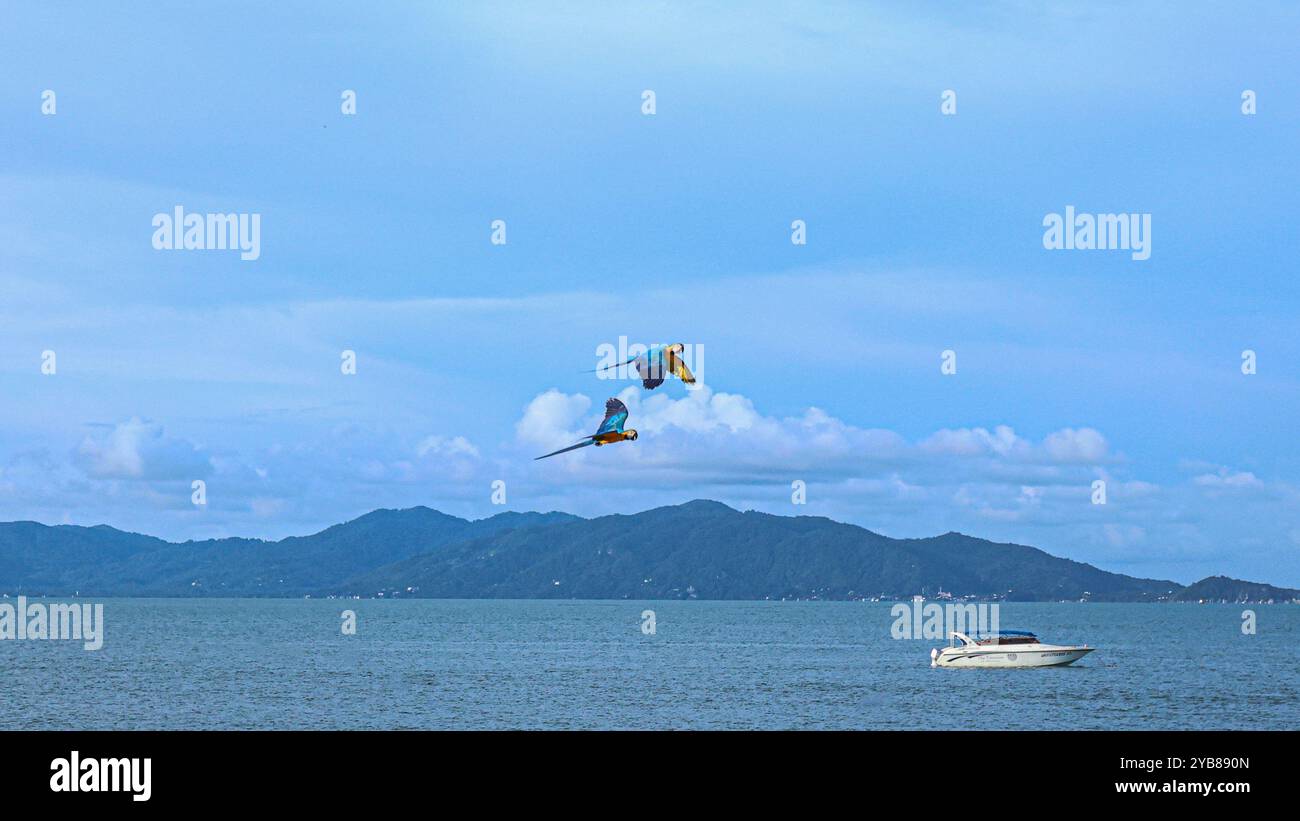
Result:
[[286, 664]]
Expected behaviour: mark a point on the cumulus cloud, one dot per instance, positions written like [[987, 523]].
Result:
[[1002, 441], [446, 446], [706, 435], [1228, 479], [723, 437], [139, 449], [1070, 445], [552, 416], [1065, 446], [701, 411]]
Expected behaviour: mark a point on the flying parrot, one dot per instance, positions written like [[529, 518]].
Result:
[[610, 430], [659, 360]]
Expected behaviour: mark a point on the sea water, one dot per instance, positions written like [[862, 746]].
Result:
[[555, 664]]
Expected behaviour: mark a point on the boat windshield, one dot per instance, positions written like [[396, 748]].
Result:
[[1007, 637]]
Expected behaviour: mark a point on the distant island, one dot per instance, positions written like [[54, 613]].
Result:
[[700, 549]]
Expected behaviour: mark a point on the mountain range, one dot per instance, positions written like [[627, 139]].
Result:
[[700, 549]]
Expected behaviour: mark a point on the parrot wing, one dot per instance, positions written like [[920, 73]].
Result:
[[651, 372], [679, 369], [615, 416]]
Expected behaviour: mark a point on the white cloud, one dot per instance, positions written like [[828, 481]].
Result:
[[1065, 446], [1070, 445], [444, 446], [1002, 441], [1226, 479], [723, 437], [138, 449], [551, 417]]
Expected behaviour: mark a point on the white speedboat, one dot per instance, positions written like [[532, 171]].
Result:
[[1006, 648]]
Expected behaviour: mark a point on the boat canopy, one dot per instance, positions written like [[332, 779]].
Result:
[[996, 637]]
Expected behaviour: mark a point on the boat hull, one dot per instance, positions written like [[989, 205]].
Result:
[[1012, 657]]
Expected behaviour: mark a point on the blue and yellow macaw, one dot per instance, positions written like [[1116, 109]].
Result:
[[611, 430], [657, 361]]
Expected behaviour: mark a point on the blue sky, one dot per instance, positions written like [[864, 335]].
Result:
[[822, 360]]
